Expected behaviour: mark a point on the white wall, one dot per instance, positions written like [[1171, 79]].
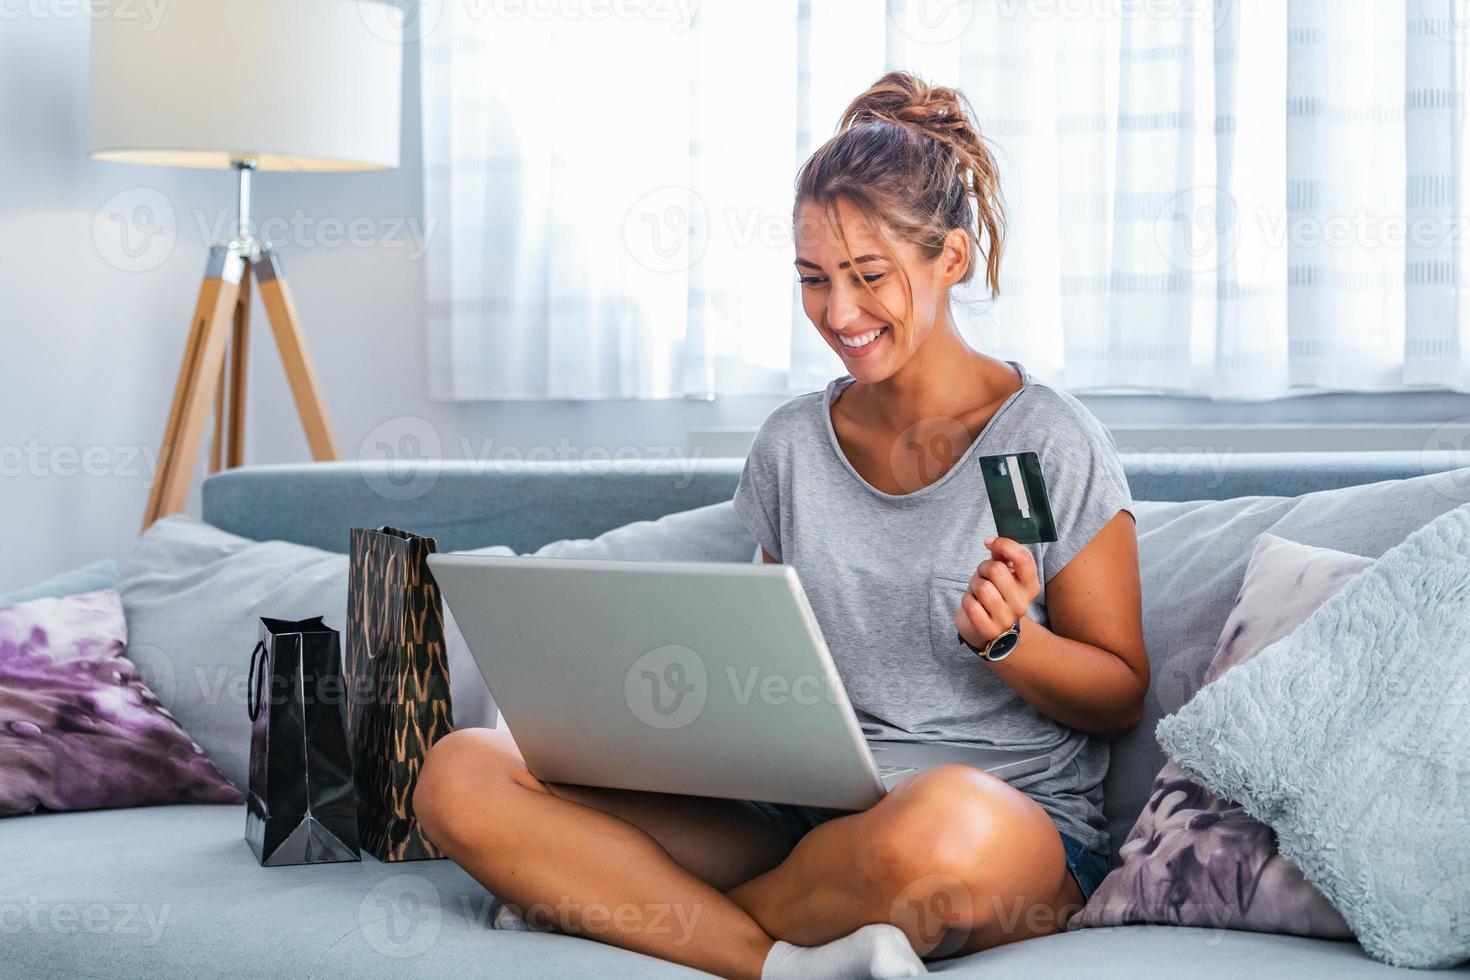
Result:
[[89, 350]]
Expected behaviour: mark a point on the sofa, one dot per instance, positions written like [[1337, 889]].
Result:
[[175, 891]]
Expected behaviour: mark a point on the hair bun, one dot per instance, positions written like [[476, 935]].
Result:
[[904, 99]]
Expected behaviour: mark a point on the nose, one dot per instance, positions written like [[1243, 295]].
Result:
[[842, 308]]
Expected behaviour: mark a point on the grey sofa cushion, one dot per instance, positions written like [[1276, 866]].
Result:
[[193, 596], [1192, 557], [709, 533], [174, 891]]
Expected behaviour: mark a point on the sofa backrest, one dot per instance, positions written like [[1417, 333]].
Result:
[[526, 505]]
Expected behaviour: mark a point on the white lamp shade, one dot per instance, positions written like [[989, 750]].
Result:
[[292, 84]]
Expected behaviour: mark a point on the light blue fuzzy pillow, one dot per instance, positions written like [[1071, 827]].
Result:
[[1350, 737]]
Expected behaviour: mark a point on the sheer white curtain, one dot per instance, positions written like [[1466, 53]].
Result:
[[1227, 198]]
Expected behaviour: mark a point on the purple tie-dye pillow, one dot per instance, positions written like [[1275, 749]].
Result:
[[78, 727], [1194, 859]]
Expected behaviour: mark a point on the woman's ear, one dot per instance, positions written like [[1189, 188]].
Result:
[[956, 257]]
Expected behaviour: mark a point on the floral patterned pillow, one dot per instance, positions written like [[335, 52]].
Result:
[[78, 727], [1194, 859]]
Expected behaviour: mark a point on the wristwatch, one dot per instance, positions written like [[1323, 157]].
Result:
[[998, 648]]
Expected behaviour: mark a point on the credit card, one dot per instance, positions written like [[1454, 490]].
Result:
[[1018, 498]]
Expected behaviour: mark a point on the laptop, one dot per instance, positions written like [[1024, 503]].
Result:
[[698, 678]]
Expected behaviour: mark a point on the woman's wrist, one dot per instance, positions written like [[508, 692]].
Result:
[[999, 646]]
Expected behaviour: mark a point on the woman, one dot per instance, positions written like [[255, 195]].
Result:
[[871, 490]]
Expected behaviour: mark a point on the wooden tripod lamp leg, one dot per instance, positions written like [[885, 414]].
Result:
[[285, 324], [229, 418], [199, 378], [239, 361], [216, 444]]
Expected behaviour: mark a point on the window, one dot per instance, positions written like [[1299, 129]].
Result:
[[1237, 199]]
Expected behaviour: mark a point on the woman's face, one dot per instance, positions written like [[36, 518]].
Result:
[[852, 321]]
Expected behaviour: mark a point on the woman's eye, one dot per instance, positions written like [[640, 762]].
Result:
[[874, 277], [811, 280]]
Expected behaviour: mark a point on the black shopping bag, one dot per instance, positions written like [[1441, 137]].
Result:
[[397, 672], [302, 807]]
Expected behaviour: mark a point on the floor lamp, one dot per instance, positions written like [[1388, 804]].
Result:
[[295, 85]]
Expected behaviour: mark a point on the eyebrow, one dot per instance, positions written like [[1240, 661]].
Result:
[[860, 259]]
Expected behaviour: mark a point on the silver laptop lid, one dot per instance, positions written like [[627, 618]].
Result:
[[702, 678]]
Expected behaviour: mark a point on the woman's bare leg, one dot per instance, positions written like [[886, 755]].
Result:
[[955, 857], [574, 857]]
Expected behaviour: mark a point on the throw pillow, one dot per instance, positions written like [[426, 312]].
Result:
[[1194, 859], [1349, 738], [79, 729]]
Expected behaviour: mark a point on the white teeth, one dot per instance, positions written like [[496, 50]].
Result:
[[859, 341]]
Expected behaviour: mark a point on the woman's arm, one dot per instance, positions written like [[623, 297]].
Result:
[[1088, 670]]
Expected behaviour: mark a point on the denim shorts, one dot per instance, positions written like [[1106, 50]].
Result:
[[1088, 867]]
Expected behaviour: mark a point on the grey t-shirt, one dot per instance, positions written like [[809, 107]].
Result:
[[884, 574]]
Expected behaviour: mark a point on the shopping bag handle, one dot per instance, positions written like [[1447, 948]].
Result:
[[255, 681]]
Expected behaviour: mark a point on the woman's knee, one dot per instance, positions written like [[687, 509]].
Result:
[[955, 823], [958, 855], [458, 772]]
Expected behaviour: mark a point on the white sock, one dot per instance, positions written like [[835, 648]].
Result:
[[509, 921], [874, 951]]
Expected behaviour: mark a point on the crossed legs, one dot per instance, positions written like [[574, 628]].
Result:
[[954, 857]]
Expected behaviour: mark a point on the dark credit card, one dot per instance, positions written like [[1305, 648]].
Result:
[[1018, 497]]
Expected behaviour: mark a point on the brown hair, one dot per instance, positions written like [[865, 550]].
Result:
[[909, 157]]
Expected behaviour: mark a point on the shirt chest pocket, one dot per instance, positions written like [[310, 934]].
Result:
[[945, 591], [972, 694]]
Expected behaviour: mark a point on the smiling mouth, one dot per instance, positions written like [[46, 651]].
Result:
[[863, 343]]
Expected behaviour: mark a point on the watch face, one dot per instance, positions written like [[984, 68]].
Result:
[[1003, 645]]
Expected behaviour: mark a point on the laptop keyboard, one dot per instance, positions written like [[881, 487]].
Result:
[[895, 770]]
